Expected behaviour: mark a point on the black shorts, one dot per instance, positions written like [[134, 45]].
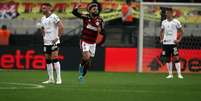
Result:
[[170, 50], [48, 49]]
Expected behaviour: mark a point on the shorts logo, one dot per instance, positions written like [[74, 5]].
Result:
[[175, 50], [54, 47], [44, 49]]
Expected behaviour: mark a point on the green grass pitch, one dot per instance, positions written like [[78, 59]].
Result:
[[99, 86]]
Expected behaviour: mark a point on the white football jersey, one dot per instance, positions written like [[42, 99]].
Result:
[[50, 28], [170, 30]]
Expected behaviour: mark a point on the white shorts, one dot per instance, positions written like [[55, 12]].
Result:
[[88, 47]]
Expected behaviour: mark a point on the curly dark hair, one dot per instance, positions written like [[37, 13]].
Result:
[[47, 4]]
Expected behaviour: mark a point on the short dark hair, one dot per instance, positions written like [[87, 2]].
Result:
[[47, 4], [92, 4], [169, 9], [4, 27]]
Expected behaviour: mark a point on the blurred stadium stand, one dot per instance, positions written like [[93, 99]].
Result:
[[24, 31], [28, 26]]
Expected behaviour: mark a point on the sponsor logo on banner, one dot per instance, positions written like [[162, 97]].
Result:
[[190, 60], [28, 59]]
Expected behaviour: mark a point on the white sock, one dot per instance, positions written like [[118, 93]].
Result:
[[50, 71], [58, 70], [169, 66], [178, 67]]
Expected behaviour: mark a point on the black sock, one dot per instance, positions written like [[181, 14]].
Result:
[[84, 71], [87, 65], [83, 62]]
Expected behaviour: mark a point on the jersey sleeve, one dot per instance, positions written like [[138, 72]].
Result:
[[56, 19], [178, 24], [78, 14], [162, 25]]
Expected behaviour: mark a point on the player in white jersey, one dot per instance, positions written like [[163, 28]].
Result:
[[170, 28], [52, 28]]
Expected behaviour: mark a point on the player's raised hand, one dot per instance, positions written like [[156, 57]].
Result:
[[77, 3], [161, 41]]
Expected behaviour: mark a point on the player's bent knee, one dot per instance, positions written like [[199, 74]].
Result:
[[55, 53], [86, 56]]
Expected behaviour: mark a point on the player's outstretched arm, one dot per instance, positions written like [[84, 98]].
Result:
[[77, 13]]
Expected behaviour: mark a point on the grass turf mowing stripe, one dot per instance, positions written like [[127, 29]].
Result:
[[101, 86]]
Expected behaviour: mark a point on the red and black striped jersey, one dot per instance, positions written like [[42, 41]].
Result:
[[90, 26]]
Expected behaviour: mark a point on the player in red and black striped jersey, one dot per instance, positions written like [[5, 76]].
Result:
[[92, 22], [92, 27]]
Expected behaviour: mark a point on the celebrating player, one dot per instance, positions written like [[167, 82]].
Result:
[[52, 28], [169, 38], [92, 27]]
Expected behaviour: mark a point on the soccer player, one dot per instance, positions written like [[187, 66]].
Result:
[[169, 38], [52, 28], [92, 27]]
